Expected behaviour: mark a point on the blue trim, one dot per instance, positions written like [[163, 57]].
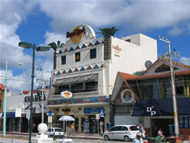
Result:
[[71, 49]]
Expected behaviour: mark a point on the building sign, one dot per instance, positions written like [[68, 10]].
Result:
[[127, 96], [93, 110], [117, 49], [76, 34], [66, 94], [35, 98], [80, 32]]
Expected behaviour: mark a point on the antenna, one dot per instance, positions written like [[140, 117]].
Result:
[[148, 64]]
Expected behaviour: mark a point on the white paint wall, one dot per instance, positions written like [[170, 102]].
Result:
[[126, 119]]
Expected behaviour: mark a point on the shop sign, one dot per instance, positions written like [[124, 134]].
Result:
[[76, 34], [151, 110], [93, 110], [35, 98]]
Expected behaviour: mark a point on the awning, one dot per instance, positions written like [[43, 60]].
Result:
[[160, 107], [146, 108], [58, 82], [76, 80]]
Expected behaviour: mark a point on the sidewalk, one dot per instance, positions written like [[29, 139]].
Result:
[[25, 136]]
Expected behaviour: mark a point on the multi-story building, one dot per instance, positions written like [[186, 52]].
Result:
[[85, 73], [148, 98]]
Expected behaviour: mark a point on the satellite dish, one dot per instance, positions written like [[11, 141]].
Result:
[[148, 64]]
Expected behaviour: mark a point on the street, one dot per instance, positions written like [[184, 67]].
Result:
[[9, 140]]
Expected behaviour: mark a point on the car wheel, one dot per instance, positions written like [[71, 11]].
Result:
[[126, 138], [106, 138]]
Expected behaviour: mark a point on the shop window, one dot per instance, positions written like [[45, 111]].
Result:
[[59, 89], [77, 57], [63, 60], [92, 53]]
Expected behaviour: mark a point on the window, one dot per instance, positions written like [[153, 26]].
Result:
[[63, 60], [92, 53], [77, 57], [77, 88], [91, 86], [0, 103]]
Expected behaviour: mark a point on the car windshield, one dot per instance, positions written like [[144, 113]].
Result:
[[133, 128], [58, 130]]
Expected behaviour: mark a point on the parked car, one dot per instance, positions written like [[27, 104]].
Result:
[[121, 132], [55, 132]]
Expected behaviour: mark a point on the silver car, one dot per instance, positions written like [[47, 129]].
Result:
[[121, 132]]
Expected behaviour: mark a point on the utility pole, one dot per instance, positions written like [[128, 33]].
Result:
[[42, 104], [175, 108]]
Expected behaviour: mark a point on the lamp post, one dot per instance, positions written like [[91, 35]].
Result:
[[42, 48], [5, 101]]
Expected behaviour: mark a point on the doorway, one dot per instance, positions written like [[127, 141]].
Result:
[[156, 124], [93, 124]]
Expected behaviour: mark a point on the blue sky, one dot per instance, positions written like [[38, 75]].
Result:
[[45, 21]]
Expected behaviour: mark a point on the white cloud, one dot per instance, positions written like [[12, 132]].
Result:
[[185, 60]]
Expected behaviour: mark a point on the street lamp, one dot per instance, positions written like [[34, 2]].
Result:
[[41, 48], [5, 102]]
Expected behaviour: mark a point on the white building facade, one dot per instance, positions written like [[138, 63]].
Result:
[[83, 81]]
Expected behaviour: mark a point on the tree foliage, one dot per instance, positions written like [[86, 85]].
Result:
[[107, 32]]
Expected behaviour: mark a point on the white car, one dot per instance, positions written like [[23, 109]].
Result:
[[121, 132], [55, 132]]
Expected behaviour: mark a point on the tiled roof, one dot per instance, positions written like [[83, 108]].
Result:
[[164, 59], [2, 87], [162, 75]]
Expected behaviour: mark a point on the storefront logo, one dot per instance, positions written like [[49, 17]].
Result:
[[150, 109], [66, 94], [117, 49], [127, 96], [76, 34]]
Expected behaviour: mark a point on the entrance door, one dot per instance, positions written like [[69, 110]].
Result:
[[156, 124], [93, 124]]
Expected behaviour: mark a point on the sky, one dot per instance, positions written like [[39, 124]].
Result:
[[41, 22]]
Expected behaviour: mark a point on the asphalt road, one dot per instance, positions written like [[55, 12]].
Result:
[[8, 140]]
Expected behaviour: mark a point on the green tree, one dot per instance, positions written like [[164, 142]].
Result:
[[107, 33], [55, 46]]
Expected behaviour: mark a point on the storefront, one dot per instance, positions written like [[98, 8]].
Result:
[[160, 114], [84, 111]]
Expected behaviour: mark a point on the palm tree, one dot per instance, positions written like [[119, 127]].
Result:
[[107, 33], [55, 46]]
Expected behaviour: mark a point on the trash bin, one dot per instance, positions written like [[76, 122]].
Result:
[[108, 126]]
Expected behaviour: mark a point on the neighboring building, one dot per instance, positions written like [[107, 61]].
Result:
[[2, 92], [18, 111], [147, 98], [83, 80]]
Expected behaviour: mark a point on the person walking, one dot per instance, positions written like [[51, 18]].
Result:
[[101, 127], [142, 130], [138, 138], [72, 129]]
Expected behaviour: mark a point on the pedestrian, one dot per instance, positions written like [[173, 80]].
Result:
[[137, 126], [101, 127], [72, 129], [160, 133], [138, 138], [142, 130]]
